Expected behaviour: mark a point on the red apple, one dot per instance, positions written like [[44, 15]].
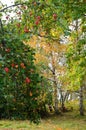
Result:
[[38, 17], [6, 69], [26, 30], [55, 16], [27, 80], [37, 22], [12, 64]]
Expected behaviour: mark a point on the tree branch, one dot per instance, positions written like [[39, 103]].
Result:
[[2, 10]]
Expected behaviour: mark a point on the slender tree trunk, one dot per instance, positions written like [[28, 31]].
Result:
[[81, 88], [81, 102], [55, 99], [62, 101], [62, 105], [55, 84], [55, 95]]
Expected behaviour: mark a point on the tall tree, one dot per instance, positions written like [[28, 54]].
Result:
[[76, 59], [50, 60]]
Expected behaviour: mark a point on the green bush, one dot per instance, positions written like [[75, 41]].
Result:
[[19, 82]]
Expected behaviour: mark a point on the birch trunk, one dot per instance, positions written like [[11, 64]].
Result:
[[81, 102], [55, 99]]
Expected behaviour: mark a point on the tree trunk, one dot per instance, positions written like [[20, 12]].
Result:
[[55, 99], [55, 95], [62, 101], [55, 84], [81, 102]]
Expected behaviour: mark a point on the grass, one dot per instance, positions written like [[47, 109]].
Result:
[[66, 121]]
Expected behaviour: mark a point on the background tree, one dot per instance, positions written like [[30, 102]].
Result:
[[76, 59], [50, 59]]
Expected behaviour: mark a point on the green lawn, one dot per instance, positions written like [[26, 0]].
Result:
[[67, 121]]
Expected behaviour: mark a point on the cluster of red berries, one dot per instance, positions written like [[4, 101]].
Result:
[[27, 79], [38, 18]]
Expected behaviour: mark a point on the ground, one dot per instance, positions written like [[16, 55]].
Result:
[[66, 121]]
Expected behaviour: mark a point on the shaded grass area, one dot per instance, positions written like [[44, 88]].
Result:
[[65, 121]]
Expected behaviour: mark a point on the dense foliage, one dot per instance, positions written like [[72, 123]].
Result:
[[19, 82]]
